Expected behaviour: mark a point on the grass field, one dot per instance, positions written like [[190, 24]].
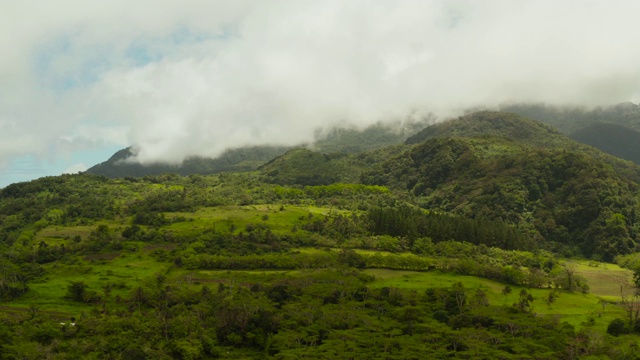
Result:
[[128, 270], [279, 219], [574, 308], [606, 280], [124, 270]]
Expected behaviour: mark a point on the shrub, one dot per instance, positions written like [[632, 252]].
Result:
[[616, 327]]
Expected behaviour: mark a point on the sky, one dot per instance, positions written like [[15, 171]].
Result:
[[80, 79]]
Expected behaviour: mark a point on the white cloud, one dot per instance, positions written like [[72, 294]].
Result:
[[180, 78], [76, 168]]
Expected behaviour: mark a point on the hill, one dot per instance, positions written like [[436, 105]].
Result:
[[451, 247], [617, 140], [612, 129], [571, 119], [498, 166], [307, 167], [503, 167], [496, 124], [524, 131], [333, 141], [243, 159]]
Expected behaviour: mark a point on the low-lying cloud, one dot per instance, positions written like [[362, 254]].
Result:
[[182, 78]]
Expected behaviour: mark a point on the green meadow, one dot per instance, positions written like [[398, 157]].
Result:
[[575, 308]]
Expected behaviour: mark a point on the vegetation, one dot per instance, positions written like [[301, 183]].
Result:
[[612, 129], [617, 140], [455, 247], [243, 159]]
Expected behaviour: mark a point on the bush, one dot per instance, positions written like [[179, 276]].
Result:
[[76, 291], [616, 327]]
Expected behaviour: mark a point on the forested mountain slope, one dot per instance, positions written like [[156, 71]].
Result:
[[496, 124], [617, 140], [242, 159], [524, 131], [571, 119], [501, 166], [335, 140], [307, 167]]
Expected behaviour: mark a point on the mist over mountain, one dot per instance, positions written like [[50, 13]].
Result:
[[498, 166], [569, 119], [244, 159], [491, 123], [289, 179], [199, 79], [615, 139], [333, 140]]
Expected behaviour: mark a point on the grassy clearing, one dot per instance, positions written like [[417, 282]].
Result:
[[62, 232], [605, 280], [280, 221], [125, 270], [574, 308], [243, 278]]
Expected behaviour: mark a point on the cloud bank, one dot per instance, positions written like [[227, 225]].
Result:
[[183, 78]]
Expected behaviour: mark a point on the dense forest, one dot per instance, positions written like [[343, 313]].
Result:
[[490, 236]]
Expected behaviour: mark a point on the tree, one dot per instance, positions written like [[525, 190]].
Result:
[[506, 291], [524, 301], [630, 305], [480, 298], [76, 291], [351, 258], [551, 298], [636, 277], [456, 300]]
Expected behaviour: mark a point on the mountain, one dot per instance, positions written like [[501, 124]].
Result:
[[352, 140], [492, 123], [333, 140], [615, 139], [499, 166], [524, 131], [571, 119], [242, 159], [323, 255], [504, 167], [307, 167], [612, 129]]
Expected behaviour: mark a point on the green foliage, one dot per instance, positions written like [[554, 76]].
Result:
[[495, 124], [242, 159], [414, 223], [524, 301], [616, 327], [167, 266], [305, 167], [562, 197], [617, 140], [76, 291]]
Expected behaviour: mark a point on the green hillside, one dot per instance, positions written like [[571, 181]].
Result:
[[334, 141], [571, 119], [495, 124], [242, 159], [466, 243], [307, 167], [501, 166], [617, 140]]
